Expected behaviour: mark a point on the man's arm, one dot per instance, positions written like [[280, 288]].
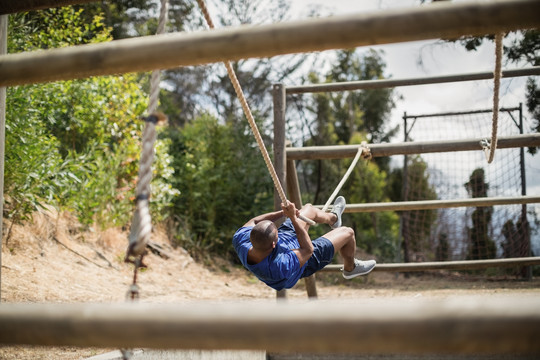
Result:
[[306, 246], [272, 216]]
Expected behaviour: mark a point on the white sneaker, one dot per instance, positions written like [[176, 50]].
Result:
[[360, 268], [338, 208]]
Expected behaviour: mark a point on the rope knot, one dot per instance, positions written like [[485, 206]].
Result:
[[486, 147], [366, 151], [157, 118]]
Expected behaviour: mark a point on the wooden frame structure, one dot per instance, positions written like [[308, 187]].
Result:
[[284, 159], [483, 326]]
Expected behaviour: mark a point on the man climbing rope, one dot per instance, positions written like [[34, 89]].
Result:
[[280, 257]]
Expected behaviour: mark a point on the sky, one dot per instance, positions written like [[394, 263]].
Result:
[[437, 59]]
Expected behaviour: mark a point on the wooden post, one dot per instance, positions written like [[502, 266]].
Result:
[[524, 221], [3, 50], [294, 193], [278, 94]]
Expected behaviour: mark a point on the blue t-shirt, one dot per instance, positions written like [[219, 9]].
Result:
[[279, 270]]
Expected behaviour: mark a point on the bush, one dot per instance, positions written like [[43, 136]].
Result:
[[222, 180], [75, 144]]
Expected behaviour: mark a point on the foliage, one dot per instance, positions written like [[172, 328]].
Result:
[[75, 143], [222, 180], [377, 233], [416, 225], [481, 246], [53, 28], [533, 105], [350, 118], [130, 18], [195, 90], [341, 116], [30, 156]]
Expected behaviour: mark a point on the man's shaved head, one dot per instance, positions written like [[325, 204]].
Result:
[[263, 235]]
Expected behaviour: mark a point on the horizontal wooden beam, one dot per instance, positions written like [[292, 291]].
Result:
[[391, 83], [15, 6], [447, 265], [487, 325], [407, 148], [440, 20], [439, 204]]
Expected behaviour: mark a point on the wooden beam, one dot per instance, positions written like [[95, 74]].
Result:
[[441, 20], [447, 265], [439, 204], [407, 148], [15, 6], [486, 325], [278, 96], [4, 20], [390, 83], [293, 188]]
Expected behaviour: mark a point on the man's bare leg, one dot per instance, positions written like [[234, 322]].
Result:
[[345, 244], [317, 215], [342, 238]]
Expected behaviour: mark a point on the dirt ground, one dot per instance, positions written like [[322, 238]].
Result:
[[50, 260]]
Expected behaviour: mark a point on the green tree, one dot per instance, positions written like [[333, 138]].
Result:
[[442, 251], [75, 143], [192, 91], [131, 18], [481, 246], [376, 232], [222, 180], [350, 118], [416, 224]]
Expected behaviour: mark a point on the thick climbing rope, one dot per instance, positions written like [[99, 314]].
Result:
[[249, 115], [141, 225], [489, 148], [364, 152]]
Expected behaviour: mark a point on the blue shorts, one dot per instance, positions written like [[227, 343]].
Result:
[[323, 251]]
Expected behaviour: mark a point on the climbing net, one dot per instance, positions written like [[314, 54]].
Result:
[[464, 233]]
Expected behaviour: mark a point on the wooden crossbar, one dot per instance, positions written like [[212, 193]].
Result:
[[447, 265], [439, 204], [448, 20], [505, 325], [407, 148], [390, 83]]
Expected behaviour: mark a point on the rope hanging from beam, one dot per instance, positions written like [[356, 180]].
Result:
[[249, 116], [141, 225], [363, 151], [489, 147]]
